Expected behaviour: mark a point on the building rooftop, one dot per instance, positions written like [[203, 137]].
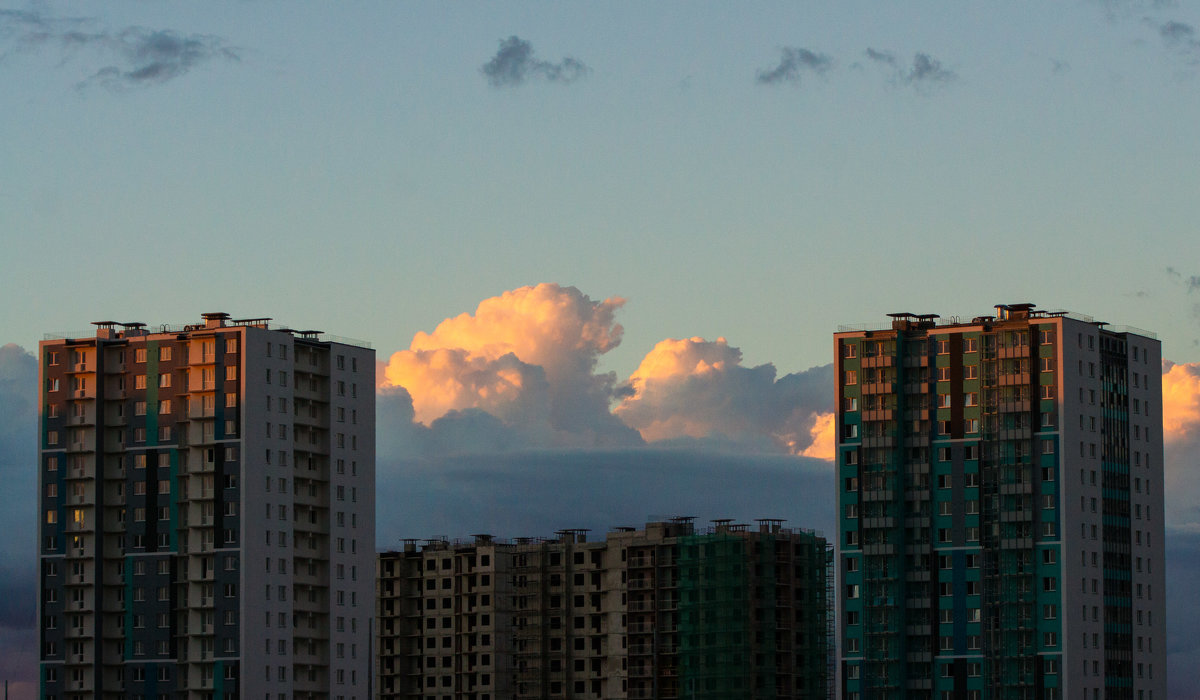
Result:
[[904, 320], [212, 319]]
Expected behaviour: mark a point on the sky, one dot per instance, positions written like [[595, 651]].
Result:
[[600, 248]]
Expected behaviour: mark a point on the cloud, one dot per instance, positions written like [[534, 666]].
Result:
[[1181, 401], [534, 493], [18, 569], [1179, 36], [1181, 444], [514, 64], [792, 63], [1183, 642], [156, 56], [881, 56], [926, 70], [1176, 32], [824, 438], [527, 358], [693, 389], [133, 56], [924, 73]]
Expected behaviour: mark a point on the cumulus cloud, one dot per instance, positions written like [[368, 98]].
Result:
[[694, 388], [824, 438], [793, 62], [1181, 401], [132, 56], [528, 358], [514, 64]]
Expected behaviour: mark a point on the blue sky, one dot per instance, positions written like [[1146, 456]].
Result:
[[759, 172], [322, 163]]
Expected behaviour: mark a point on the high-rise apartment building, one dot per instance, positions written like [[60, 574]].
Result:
[[206, 513], [669, 611], [1001, 523]]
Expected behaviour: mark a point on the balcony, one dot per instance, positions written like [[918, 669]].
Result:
[[1015, 379]]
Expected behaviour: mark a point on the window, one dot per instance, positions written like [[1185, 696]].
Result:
[[970, 345], [849, 350], [849, 403], [971, 372], [943, 347], [139, 382], [943, 400], [943, 374], [139, 355], [971, 399], [850, 377], [1047, 391]]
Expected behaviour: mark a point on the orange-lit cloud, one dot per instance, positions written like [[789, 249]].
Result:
[[695, 388], [1181, 401], [527, 357], [823, 444], [521, 372]]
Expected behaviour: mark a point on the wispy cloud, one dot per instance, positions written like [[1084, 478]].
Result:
[[514, 64], [793, 62], [130, 57], [1177, 32], [928, 70], [881, 56], [1179, 37], [924, 73], [156, 56]]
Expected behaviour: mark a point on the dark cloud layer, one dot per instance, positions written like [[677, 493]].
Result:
[[129, 57], [1183, 620], [514, 64], [535, 493], [18, 516], [793, 62]]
